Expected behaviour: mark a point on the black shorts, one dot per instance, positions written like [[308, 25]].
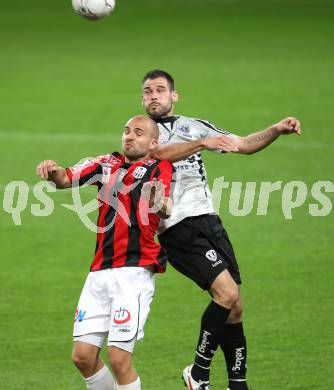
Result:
[[199, 248]]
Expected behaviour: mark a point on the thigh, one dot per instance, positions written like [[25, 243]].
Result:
[[217, 232], [93, 310], [195, 247], [132, 295], [94, 339]]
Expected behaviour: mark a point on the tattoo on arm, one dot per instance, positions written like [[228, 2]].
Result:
[[254, 139]]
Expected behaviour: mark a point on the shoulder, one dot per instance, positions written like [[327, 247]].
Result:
[[157, 166], [165, 164], [210, 126], [112, 159], [196, 123], [153, 163], [149, 163]]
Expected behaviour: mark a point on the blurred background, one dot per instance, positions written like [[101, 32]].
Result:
[[68, 85]]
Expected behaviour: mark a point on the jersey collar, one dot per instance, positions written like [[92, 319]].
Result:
[[169, 119]]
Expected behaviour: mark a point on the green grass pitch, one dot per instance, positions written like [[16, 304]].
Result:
[[67, 86]]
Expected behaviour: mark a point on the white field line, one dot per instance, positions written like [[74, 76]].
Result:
[[24, 136]]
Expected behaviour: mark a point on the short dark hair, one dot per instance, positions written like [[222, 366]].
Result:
[[154, 74]]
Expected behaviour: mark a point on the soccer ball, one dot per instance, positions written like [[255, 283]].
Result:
[[93, 9]]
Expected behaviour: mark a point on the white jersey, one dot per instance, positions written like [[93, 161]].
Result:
[[191, 195]]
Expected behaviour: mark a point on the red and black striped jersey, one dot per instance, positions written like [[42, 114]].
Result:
[[126, 226]]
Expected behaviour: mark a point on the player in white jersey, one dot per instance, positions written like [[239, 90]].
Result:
[[194, 238], [192, 193]]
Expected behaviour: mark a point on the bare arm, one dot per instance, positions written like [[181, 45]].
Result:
[[179, 151], [243, 145], [49, 170], [255, 142]]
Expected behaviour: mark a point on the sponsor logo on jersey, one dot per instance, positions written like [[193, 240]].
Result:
[[122, 316], [106, 171], [79, 315], [139, 172], [211, 255]]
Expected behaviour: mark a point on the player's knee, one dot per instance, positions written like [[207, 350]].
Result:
[[82, 361], [236, 313], [232, 295], [227, 297], [119, 362]]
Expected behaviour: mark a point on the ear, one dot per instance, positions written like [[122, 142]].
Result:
[[154, 144], [175, 96]]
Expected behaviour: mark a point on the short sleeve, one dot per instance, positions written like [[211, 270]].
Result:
[[210, 130], [87, 171]]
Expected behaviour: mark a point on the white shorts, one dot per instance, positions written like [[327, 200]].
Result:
[[114, 304]]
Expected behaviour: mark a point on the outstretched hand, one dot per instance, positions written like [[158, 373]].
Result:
[[45, 167], [154, 191], [288, 125]]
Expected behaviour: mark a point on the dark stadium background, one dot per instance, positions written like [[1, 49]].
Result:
[[67, 86]]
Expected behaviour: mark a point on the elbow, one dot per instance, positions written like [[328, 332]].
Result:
[[250, 152], [245, 151], [244, 148]]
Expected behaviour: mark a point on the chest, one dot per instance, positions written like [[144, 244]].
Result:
[[178, 132], [123, 180]]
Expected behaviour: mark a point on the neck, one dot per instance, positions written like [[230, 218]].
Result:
[[130, 160], [166, 115]]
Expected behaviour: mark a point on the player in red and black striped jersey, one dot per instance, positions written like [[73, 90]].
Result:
[[133, 194], [126, 229]]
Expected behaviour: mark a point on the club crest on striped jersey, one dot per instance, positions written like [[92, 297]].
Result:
[[139, 172]]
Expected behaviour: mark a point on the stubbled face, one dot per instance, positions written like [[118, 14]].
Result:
[[138, 139], [158, 98]]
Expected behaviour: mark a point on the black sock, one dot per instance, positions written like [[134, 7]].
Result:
[[233, 344], [212, 324]]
